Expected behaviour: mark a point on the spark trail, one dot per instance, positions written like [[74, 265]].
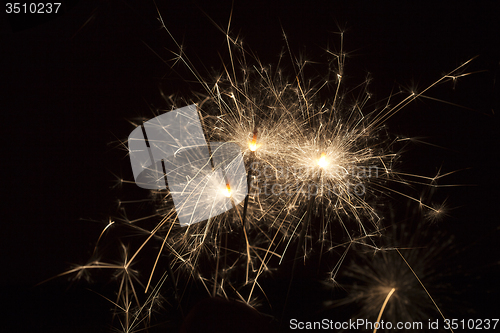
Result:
[[323, 164]]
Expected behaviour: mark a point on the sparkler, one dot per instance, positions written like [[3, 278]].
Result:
[[307, 155], [252, 145]]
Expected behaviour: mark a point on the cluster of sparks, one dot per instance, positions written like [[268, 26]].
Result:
[[317, 171]]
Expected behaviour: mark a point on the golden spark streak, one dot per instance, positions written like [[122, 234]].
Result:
[[383, 308]]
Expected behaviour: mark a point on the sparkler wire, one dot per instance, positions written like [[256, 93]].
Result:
[[348, 146], [302, 235]]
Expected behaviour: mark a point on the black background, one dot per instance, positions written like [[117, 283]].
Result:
[[69, 83]]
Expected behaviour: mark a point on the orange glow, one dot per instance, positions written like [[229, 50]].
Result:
[[227, 190], [252, 145]]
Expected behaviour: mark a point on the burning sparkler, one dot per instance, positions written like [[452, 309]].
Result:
[[306, 158]]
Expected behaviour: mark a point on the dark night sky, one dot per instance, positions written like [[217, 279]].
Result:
[[68, 87]]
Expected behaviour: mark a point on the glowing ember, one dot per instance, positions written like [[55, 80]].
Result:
[[227, 191], [323, 162], [252, 145]]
